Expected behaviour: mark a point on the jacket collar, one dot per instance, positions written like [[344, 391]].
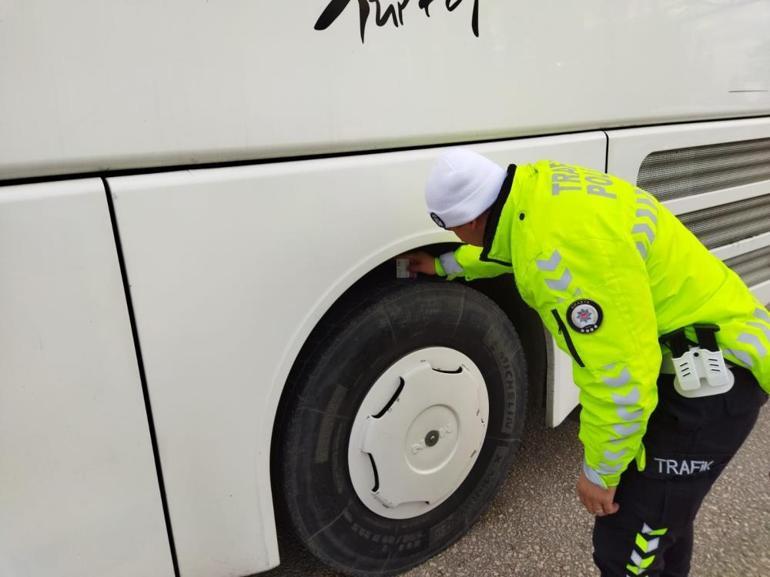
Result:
[[497, 235]]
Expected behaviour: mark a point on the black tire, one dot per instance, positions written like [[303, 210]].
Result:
[[354, 350]]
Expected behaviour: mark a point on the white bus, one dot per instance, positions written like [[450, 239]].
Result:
[[200, 207]]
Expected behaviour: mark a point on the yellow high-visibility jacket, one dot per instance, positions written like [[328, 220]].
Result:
[[609, 270]]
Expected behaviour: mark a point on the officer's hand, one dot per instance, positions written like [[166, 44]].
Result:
[[421, 262], [597, 500]]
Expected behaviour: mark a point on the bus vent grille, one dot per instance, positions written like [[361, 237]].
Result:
[[753, 267], [728, 223], [670, 174]]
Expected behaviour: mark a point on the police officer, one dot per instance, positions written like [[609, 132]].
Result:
[[668, 344]]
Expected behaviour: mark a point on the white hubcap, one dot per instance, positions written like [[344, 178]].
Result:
[[418, 432]]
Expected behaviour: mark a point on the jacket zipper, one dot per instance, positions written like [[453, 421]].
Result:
[[567, 338]]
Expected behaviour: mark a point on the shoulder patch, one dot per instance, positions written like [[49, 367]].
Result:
[[585, 316]]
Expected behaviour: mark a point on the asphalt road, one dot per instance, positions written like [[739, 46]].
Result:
[[537, 528]]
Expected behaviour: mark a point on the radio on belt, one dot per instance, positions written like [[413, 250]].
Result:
[[700, 369]]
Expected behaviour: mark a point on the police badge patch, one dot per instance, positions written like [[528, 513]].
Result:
[[585, 316]]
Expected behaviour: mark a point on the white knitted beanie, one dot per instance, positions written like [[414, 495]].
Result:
[[461, 186]]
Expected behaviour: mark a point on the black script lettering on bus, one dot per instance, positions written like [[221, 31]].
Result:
[[387, 11]]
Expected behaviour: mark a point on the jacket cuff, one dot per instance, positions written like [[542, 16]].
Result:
[[593, 476], [439, 267], [449, 265]]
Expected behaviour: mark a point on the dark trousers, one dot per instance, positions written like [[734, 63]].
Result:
[[689, 442]]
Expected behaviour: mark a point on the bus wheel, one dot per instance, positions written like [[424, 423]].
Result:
[[402, 423]]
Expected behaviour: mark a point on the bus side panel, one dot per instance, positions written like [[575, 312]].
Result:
[[711, 194], [230, 269], [78, 487], [95, 85], [562, 393]]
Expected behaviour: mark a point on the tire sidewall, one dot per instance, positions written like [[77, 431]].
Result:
[[324, 508]]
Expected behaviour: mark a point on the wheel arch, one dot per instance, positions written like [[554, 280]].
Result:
[[502, 290]]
